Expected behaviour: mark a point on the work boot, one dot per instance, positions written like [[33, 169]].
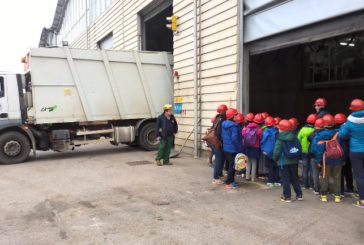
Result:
[[158, 162]]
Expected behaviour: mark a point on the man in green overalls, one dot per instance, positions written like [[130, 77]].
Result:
[[166, 129]]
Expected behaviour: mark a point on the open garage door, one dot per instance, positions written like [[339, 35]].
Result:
[[286, 81]]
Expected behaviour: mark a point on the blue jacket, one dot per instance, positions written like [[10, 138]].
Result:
[[268, 141], [231, 137], [353, 130], [319, 149]]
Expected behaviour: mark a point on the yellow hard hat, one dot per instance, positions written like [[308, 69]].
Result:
[[167, 107]]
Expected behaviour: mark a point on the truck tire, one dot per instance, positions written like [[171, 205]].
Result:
[[147, 137], [14, 148]]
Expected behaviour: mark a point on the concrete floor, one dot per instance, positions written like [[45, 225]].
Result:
[[92, 196]]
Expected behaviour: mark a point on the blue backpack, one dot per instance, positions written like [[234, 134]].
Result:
[[292, 149], [267, 146]]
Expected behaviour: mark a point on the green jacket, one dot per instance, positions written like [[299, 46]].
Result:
[[278, 148], [303, 135]]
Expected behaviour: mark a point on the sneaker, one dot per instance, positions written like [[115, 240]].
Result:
[[277, 184], [270, 185], [158, 162], [337, 198], [323, 198], [299, 198], [217, 182], [284, 199], [342, 194], [359, 204], [230, 186], [316, 192]]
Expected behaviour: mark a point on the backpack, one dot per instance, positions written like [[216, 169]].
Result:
[[251, 137], [267, 146], [210, 136], [333, 149], [292, 149]]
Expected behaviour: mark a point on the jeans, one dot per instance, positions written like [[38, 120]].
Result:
[[289, 176], [307, 171], [218, 163], [357, 162], [315, 176], [230, 158], [347, 176], [251, 169], [273, 174], [333, 171]]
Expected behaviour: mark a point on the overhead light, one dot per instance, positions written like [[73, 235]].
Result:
[[343, 43], [351, 44]]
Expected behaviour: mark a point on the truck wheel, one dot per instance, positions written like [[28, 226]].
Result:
[[147, 138], [14, 148]]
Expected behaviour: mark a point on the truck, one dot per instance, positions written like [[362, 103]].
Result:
[[72, 97]]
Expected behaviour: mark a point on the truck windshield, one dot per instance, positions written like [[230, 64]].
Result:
[[2, 90]]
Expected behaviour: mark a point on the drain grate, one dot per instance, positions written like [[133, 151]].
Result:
[[137, 163]]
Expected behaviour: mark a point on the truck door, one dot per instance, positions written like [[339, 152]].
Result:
[[4, 108]]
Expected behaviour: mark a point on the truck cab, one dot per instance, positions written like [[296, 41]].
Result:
[[14, 144]]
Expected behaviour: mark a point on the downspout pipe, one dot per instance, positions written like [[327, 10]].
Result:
[[241, 58], [195, 88]]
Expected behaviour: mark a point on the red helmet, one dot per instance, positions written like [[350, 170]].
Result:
[[320, 102], [294, 121], [319, 123], [265, 115], [285, 125], [230, 113], [357, 105], [222, 108], [340, 118], [239, 118], [258, 118], [329, 120], [311, 118], [269, 121], [250, 117], [277, 120]]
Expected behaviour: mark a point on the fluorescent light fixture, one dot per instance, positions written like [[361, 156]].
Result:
[[351, 44], [343, 43]]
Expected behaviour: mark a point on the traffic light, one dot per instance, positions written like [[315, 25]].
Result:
[[173, 23]]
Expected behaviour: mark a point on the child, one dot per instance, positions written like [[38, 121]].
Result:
[[346, 172], [252, 134], [231, 140], [218, 152], [331, 165], [295, 124], [267, 146], [303, 135], [287, 151], [316, 170], [353, 130]]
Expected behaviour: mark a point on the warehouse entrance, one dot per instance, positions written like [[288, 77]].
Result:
[[285, 82], [155, 35]]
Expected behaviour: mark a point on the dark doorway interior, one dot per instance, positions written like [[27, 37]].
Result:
[[286, 82], [157, 36]]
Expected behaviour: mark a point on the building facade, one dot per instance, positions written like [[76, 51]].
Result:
[[254, 55]]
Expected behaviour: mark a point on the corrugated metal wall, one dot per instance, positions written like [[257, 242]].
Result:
[[121, 18], [218, 64]]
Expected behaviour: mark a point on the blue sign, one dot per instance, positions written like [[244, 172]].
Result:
[[178, 108]]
